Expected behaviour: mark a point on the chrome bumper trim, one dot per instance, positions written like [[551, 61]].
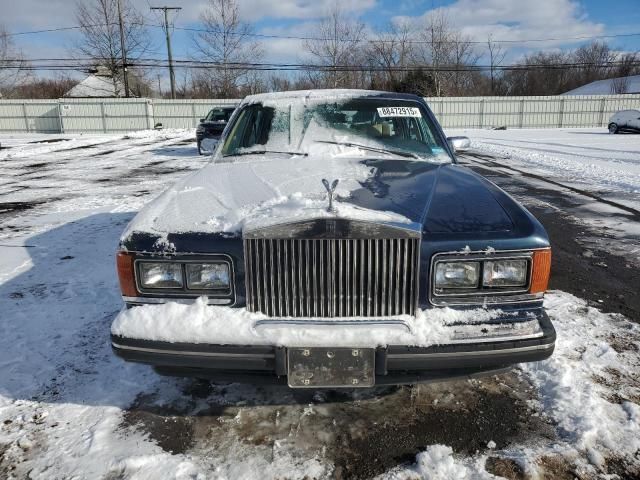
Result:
[[187, 301], [191, 353], [331, 323], [502, 351]]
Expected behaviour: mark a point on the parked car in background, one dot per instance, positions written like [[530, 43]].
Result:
[[625, 121], [334, 241], [211, 127]]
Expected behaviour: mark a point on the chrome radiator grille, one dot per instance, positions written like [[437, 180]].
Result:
[[332, 277]]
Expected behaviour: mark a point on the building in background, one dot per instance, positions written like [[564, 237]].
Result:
[[610, 86], [101, 83]]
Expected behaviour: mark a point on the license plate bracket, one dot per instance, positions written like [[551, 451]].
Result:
[[320, 367]]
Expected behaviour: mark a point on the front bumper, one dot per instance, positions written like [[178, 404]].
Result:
[[394, 364], [211, 133]]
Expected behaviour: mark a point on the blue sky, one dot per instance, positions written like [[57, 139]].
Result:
[[505, 19]]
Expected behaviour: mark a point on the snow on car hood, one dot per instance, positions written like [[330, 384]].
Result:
[[260, 190]]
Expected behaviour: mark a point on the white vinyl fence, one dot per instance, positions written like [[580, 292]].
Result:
[[108, 115], [530, 112]]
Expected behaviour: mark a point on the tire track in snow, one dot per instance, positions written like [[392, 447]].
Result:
[[483, 159]]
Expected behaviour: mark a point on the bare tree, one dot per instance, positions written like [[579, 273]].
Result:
[[391, 52], [541, 73], [496, 57], [279, 84], [12, 64], [226, 40], [595, 59], [627, 64], [619, 85], [434, 53], [44, 87], [337, 43], [100, 35], [462, 56], [553, 73]]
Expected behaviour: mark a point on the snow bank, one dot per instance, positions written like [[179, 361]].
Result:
[[437, 462], [589, 386]]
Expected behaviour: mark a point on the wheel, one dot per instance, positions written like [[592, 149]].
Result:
[[199, 149], [613, 128]]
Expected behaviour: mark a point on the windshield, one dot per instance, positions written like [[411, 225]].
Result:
[[369, 126], [219, 115]]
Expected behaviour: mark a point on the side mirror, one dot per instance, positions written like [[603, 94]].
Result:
[[201, 120], [158, 126], [459, 144]]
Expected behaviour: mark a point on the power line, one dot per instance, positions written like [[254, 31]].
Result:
[[81, 64], [60, 29], [313, 38], [382, 40]]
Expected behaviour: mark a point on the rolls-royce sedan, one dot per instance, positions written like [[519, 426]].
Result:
[[333, 241]]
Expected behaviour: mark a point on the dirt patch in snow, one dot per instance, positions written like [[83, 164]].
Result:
[[172, 433], [557, 467], [361, 433], [49, 140], [15, 206], [505, 467], [465, 415]]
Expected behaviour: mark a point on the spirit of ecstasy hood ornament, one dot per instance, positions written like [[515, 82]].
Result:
[[330, 189]]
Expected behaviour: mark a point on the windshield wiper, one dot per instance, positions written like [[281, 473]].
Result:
[[261, 152], [400, 153]]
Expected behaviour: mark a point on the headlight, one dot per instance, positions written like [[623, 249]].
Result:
[[504, 273], [489, 277], [457, 274], [160, 275], [202, 276]]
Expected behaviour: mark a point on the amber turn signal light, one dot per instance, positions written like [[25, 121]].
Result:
[[540, 271], [126, 275]]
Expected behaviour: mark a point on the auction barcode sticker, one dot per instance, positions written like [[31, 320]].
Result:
[[399, 112]]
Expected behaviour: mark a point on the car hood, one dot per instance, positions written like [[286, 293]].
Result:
[[254, 191]]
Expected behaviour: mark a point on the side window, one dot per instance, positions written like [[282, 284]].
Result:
[[251, 128]]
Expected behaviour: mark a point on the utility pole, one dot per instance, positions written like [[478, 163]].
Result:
[[123, 52], [172, 77]]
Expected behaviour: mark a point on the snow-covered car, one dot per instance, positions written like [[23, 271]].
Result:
[[625, 121], [211, 127], [333, 241]]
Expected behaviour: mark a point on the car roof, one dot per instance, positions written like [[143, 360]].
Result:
[[318, 94]]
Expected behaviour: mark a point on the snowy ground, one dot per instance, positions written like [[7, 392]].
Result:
[[70, 409]]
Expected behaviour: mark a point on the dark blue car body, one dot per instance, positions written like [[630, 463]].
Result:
[[460, 213]]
